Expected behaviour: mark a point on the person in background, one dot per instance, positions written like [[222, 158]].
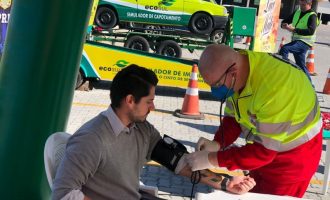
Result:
[[302, 24], [274, 106], [5, 7]]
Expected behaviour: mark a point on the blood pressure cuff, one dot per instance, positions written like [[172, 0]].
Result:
[[168, 152]]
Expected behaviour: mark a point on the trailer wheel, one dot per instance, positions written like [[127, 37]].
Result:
[[137, 42], [217, 36], [105, 18], [80, 79], [169, 48], [201, 23]]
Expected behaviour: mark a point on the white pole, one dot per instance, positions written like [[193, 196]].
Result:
[[247, 3]]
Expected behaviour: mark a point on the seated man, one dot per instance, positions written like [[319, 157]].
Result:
[[103, 159]]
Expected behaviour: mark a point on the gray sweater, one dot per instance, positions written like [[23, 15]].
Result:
[[103, 165]]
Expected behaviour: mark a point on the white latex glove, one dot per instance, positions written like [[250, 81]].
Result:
[[207, 145], [181, 164], [199, 160]]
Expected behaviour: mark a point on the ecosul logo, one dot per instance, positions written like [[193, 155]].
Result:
[[159, 7], [162, 5], [121, 63], [167, 2]]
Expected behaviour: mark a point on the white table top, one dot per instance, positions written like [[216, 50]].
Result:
[[218, 194]]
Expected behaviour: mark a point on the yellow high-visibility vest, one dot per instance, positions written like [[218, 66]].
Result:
[[278, 107], [302, 24]]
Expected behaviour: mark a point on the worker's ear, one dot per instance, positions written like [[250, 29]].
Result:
[[233, 70]]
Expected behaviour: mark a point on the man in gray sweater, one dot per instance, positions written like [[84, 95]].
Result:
[[103, 159]]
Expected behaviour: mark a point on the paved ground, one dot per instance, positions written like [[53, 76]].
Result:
[[88, 104]]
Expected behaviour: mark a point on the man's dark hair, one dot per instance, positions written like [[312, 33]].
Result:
[[134, 80], [308, 1]]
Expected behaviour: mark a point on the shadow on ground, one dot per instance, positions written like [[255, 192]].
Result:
[[211, 129]]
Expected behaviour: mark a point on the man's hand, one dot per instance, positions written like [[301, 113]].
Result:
[[199, 160], [237, 184], [288, 27], [207, 145], [240, 184], [284, 25], [291, 28]]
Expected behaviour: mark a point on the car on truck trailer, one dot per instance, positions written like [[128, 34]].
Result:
[[324, 11], [199, 16]]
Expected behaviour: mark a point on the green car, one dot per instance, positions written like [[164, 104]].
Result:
[[200, 16]]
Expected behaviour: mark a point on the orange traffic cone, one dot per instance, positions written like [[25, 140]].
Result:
[[310, 62], [282, 42], [190, 107], [248, 41], [326, 89]]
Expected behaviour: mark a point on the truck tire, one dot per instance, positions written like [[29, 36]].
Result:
[[137, 42], [201, 23], [105, 18], [169, 48], [80, 79], [217, 36]]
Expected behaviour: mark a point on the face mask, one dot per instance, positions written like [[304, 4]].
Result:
[[222, 92]]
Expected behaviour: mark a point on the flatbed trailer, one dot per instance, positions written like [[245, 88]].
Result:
[[102, 57], [168, 42]]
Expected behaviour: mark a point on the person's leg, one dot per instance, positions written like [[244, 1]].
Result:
[[300, 57], [298, 49], [300, 54], [288, 48], [284, 51]]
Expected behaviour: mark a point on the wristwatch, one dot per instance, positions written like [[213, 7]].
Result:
[[224, 183]]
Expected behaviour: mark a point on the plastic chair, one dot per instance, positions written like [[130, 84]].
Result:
[[54, 152], [149, 189], [326, 137]]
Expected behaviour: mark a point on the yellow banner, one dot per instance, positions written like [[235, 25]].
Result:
[[107, 61], [267, 25], [93, 12]]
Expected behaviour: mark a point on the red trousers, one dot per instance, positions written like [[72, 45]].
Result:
[[302, 161], [295, 190]]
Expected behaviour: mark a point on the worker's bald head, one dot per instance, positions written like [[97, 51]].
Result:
[[215, 60]]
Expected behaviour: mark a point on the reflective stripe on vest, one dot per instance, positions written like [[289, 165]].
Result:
[[287, 127], [275, 145], [302, 24], [245, 131], [229, 109]]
